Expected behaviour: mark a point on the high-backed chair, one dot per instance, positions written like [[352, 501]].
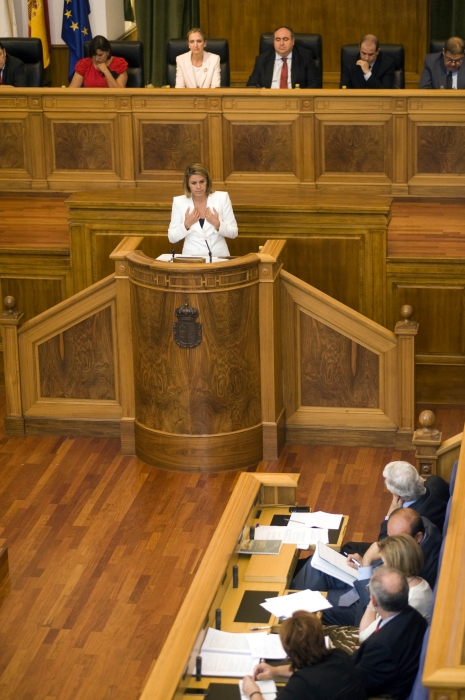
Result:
[[175, 47], [395, 51], [29, 51], [313, 42], [436, 45], [133, 53]]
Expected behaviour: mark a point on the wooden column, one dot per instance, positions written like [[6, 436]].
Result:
[[9, 321], [426, 441], [273, 414], [124, 335], [406, 331]]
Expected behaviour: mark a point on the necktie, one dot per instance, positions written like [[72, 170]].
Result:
[[283, 81], [449, 80]]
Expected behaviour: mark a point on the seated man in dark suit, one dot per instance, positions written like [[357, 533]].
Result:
[[12, 73], [372, 70], [349, 602], [388, 660], [444, 70], [286, 65]]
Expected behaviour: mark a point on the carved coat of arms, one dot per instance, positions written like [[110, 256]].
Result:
[[186, 331]]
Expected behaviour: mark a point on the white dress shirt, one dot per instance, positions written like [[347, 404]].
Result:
[[278, 66]]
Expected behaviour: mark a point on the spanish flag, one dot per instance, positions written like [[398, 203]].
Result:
[[38, 21]]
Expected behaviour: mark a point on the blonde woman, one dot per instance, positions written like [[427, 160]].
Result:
[[197, 68], [403, 553]]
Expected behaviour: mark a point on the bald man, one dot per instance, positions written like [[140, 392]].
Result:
[[371, 69]]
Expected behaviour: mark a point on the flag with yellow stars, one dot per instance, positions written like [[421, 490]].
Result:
[[37, 11], [75, 30]]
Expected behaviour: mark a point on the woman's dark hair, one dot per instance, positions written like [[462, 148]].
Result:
[[99, 43], [303, 639]]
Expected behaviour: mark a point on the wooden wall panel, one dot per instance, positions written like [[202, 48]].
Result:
[[11, 145], [33, 294], [170, 146], [356, 148], [403, 21], [441, 149], [79, 362], [262, 148], [335, 370], [83, 146]]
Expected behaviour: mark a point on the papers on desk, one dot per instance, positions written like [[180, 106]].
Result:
[[286, 605], [303, 537], [235, 655], [267, 688], [330, 562], [327, 521]]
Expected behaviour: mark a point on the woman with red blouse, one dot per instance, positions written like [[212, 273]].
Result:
[[101, 70]]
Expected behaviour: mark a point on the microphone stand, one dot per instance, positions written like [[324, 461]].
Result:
[[209, 251]]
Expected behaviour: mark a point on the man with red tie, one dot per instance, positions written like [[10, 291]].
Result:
[[286, 65], [12, 73]]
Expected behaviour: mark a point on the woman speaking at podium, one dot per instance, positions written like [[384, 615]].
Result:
[[201, 217]]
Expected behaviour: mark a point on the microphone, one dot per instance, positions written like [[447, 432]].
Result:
[[173, 252], [209, 251]]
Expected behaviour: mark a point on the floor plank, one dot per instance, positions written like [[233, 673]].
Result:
[[103, 548]]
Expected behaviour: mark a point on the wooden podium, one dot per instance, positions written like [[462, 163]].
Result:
[[196, 345]]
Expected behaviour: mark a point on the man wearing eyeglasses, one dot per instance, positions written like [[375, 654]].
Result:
[[370, 70], [444, 71]]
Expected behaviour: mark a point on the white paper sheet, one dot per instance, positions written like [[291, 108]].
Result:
[[284, 606], [267, 688], [228, 642], [328, 521], [227, 665], [266, 646], [303, 537]]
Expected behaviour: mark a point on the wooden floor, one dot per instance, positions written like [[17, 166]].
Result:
[[102, 549]]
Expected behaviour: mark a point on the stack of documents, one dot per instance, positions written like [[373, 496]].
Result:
[[285, 605], [235, 655], [303, 537], [267, 688], [327, 521], [330, 562]]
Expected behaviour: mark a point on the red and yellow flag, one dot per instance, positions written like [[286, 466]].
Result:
[[38, 21]]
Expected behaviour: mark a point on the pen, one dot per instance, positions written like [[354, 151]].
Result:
[[357, 563], [263, 627]]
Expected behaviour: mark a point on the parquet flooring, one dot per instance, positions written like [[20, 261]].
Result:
[[427, 229], [102, 549]]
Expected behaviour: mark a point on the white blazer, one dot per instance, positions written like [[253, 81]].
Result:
[[185, 77], [194, 238]]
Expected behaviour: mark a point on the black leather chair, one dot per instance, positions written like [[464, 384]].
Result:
[[395, 51], [175, 47], [133, 53], [29, 51], [307, 41], [436, 45]]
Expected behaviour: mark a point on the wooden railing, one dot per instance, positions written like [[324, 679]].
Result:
[[444, 672]]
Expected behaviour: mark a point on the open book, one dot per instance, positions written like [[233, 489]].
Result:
[[330, 562]]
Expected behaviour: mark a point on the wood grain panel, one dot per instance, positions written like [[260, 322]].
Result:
[[105, 243], [440, 312], [262, 148], [78, 363], [83, 146], [336, 371], [354, 148], [11, 145], [168, 146], [33, 294], [213, 388], [441, 149]]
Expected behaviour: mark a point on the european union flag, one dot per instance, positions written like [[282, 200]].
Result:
[[75, 30]]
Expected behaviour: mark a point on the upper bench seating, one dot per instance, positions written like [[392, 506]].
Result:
[[395, 51], [133, 53], [176, 47], [312, 42], [29, 51]]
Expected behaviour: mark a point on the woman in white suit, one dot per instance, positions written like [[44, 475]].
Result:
[[201, 217], [197, 68]]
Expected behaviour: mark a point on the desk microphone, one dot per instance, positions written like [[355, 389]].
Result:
[[218, 618], [198, 668], [173, 252], [209, 251], [235, 576]]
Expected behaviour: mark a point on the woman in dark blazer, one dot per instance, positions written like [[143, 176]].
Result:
[[315, 672]]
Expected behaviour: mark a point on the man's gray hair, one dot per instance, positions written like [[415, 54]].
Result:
[[390, 588], [402, 479]]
